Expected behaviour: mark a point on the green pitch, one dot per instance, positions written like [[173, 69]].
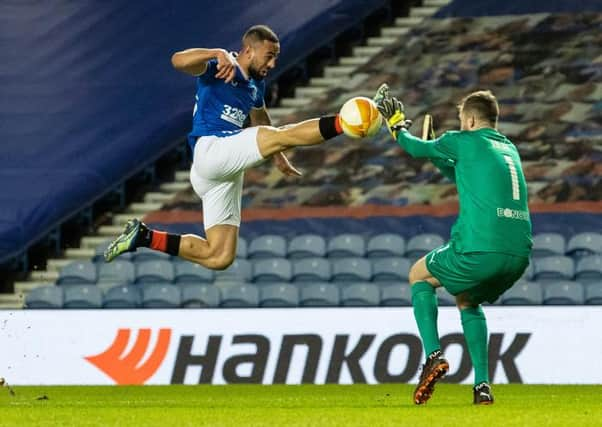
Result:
[[361, 405]]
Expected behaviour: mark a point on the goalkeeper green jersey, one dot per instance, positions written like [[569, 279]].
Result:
[[486, 167]]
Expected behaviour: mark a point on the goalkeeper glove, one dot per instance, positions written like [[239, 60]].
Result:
[[392, 110]]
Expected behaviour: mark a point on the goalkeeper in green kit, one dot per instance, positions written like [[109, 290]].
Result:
[[490, 242]]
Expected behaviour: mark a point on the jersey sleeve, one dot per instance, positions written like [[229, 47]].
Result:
[[444, 147], [446, 167], [259, 100], [210, 72]]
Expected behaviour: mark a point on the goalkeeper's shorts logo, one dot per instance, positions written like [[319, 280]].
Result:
[[128, 368]]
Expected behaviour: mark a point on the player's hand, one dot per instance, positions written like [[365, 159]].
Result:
[[391, 109], [284, 165], [226, 65]]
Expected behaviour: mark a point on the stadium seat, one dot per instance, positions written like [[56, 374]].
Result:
[[319, 295], [444, 298], [78, 272], [396, 295], [593, 293], [117, 272], [158, 271], [123, 296], [272, 270], [584, 244], [548, 244], [311, 270], [563, 292], [279, 295], [244, 295], [161, 295], [267, 246], [306, 246], [390, 269], [386, 245], [529, 272], [241, 270], [82, 296], [100, 250], [553, 268], [241, 248], [421, 244], [45, 297], [589, 269], [146, 254], [199, 295], [351, 270], [523, 293], [189, 272], [346, 245], [360, 294]]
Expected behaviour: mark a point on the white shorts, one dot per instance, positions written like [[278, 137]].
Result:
[[217, 173]]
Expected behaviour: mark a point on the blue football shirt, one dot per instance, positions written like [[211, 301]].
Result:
[[221, 108]]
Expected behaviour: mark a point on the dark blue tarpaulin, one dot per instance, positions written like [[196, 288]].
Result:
[[88, 95]]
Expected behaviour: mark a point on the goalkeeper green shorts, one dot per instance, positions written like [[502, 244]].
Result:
[[483, 275]]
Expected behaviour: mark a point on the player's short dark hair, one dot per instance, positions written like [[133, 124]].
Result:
[[483, 104], [259, 33]]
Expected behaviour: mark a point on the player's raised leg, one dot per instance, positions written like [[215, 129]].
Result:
[[272, 140], [474, 326], [424, 301]]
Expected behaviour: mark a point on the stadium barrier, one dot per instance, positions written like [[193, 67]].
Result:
[[284, 346]]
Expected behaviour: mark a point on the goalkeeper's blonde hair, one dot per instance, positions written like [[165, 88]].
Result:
[[482, 104]]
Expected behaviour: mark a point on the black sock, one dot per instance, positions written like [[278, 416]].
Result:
[[330, 127], [145, 236]]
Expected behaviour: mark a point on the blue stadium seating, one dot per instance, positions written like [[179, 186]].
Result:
[[243, 295], [199, 295], [267, 246], [279, 295], [523, 293], [548, 244], [319, 295], [589, 269], [242, 248], [593, 293], [272, 270], [351, 270], [386, 245], [563, 292], [146, 254], [45, 297], [360, 294], [158, 271], [311, 270], [118, 272], [307, 246], [123, 296], [390, 269], [78, 272], [421, 244], [583, 244], [82, 296], [396, 295], [189, 272], [161, 295], [346, 245], [553, 268], [241, 270]]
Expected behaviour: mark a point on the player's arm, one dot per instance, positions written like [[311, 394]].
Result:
[[446, 169], [194, 62]]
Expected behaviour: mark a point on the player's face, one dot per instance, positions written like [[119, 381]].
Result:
[[264, 55]]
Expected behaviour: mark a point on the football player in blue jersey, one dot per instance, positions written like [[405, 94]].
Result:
[[230, 87]]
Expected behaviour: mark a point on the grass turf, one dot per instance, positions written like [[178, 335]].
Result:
[[307, 405]]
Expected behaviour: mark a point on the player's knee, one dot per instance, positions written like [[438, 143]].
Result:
[[414, 275], [222, 260], [270, 140]]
